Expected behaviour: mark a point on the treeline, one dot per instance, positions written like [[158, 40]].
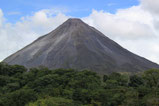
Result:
[[61, 87]]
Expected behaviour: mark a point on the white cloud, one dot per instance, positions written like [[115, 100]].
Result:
[[15, 36], [150, 5], [147, 48], [132, 23], [14, 13], [135, 28], [111, 4], [1, 18]]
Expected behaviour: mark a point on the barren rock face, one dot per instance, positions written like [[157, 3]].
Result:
[[77, 45]]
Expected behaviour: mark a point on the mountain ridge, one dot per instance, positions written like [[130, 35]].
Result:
[[75, 44]]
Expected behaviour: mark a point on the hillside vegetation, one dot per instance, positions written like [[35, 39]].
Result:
[[61, 87]]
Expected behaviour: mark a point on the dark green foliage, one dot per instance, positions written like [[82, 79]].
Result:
[[151, 78], [10, 70], [52, 101], [105, 78], [18, 98], [82, 95], [61, 87], [136, 81]]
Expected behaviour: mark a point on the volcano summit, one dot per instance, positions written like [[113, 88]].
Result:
[[76, 45]]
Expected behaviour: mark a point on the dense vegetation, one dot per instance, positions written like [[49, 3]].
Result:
[[44, 87]]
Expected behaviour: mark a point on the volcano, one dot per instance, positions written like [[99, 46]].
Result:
[[76, 45]]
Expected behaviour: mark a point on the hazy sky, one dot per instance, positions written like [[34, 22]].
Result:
[[134, 24]]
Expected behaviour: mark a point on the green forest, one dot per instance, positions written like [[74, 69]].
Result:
[[61, 87]]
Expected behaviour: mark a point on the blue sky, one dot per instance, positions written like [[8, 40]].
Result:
[[15, 9]]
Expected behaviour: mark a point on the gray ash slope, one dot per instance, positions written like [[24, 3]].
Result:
[[77, 45]]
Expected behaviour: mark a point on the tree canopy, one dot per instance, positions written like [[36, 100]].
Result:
[[68, 87]]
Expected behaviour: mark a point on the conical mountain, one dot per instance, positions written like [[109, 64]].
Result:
[[77, 45]]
